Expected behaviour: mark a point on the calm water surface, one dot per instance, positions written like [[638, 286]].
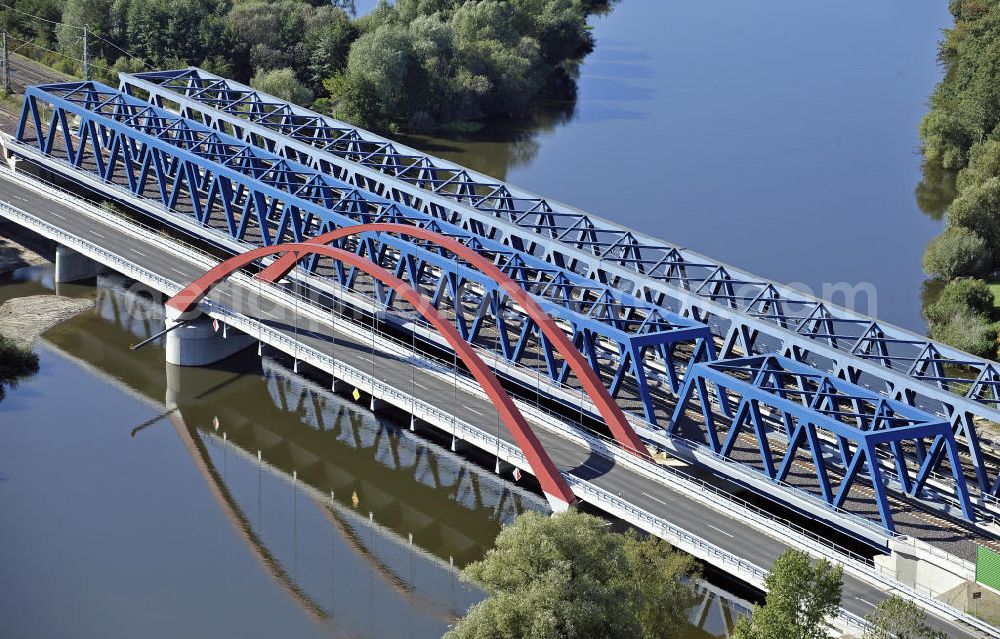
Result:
[[778, 137]]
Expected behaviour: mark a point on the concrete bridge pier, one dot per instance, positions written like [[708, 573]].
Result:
[[72, 266], [198, 343]]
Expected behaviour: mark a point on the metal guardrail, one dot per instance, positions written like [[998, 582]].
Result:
[[642, 425], [469, 432], [93, 250], [731, 466], [578, 431]]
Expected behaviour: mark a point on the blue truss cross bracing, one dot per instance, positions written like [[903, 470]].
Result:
[[837, 425], [751, 315], [262, 198]]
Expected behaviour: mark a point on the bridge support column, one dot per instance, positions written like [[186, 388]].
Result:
[[9, 156], [197, 343], [557, 505], [71, 266]]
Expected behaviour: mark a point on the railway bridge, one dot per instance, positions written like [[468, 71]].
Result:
[[589, 355]]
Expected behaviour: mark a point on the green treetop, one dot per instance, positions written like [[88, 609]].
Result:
[[800, 597], [567, 576]]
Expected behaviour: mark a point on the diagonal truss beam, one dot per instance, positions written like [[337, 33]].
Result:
[[840, 426]]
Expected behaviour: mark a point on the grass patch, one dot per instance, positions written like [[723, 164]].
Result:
[[995, 289]]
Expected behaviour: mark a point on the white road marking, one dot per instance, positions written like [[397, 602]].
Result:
[[721, 531], [98, 235], [599, 470], [57, 215], [18, 197], [474, 411], [655, 498], [419, 384], [137, 252], [176, 271], [865, 601]]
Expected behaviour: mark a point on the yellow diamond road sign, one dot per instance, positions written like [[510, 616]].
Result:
[[356, 395]]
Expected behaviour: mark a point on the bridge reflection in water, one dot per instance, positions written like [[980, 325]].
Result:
[[336, 493]]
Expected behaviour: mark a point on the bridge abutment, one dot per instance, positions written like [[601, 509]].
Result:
[[72, 266], [199, 343]]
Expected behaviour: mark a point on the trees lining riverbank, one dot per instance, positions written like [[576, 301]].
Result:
[[413, 65], [961, 149]]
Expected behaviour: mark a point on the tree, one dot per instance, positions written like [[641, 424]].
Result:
[[157, 30], [657, 596], [960, 297], [104, 19], [946, 139], [898, 618], [800, 597], [567, 576], [283, 84], [965, 106], [958, 252], [977, 208], [384, 79]]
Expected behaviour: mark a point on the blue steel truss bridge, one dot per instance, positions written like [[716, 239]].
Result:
[[829, 415]]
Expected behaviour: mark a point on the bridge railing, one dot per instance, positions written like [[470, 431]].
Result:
[[343, 371], [91, 249], [987, 508], [210, 260], [672, 476], [855, 564], [567, 424], [468, 432]]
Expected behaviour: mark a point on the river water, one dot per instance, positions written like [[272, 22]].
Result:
[[781, 138], [778, 137]]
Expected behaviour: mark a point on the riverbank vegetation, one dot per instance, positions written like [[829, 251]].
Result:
[[17, 361], [568, 576], [413, 65], [961, 148]]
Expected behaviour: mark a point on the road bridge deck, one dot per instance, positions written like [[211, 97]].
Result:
[[663, 501]]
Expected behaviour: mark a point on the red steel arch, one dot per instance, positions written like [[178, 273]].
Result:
[[552, 482], [623, 432]]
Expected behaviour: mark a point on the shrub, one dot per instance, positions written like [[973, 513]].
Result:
[[971, 332], [960, 297], [977, 208], [958, 252], [283, 84]]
